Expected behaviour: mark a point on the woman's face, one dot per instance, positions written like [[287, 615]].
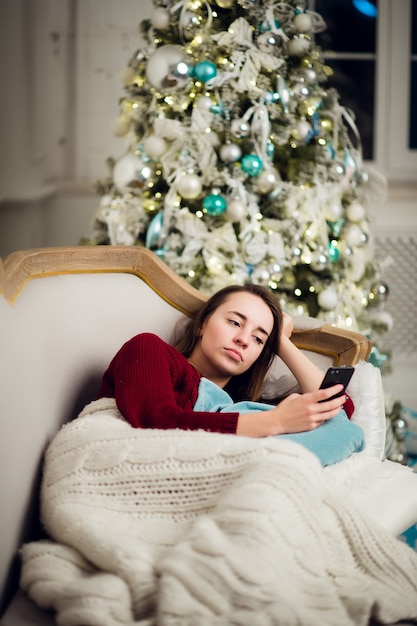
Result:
[[232, 338]]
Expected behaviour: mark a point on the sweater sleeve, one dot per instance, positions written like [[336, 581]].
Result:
[[156, 387], [349, 406]]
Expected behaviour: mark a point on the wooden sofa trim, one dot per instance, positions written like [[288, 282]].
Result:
[[346, 347], [22, 266], [343, 346]]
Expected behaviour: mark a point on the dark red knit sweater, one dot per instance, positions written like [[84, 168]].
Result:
[[156, 387]]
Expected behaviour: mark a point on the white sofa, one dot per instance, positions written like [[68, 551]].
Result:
[[64, 312]]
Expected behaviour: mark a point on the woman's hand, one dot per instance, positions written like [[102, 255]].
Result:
[[303, 412], [287, 325], [296, 413]]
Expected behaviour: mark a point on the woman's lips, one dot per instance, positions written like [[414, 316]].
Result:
[[235, 354]]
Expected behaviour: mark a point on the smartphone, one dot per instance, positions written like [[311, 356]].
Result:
[[336, 376]]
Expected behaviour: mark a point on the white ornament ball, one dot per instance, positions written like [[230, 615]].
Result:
[[354, 235], [126, 171], [355, 212], [160, 18], [154, 146], [298, 46], [163, 65], [302, 23], [236, 210], [230, 152], [328, 298], [189, 186]]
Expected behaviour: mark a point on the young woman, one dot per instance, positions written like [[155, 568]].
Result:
[[212, 379]]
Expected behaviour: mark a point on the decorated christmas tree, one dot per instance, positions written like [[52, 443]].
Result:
[[241, 164]]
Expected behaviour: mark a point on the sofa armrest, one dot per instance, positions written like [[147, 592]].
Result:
[[344, 346]]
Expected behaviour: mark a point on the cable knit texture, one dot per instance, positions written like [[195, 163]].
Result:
[[190, 528]]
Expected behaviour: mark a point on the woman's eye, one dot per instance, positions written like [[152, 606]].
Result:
[[234, 322], [259, 341]]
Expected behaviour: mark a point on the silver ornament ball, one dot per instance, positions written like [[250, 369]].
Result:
[[268, 180], [236, 210], [230, 152]]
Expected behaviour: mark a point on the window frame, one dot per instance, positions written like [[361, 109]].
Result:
[[391, 154]]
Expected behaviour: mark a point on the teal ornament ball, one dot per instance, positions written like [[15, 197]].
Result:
[[214, 204], [205, 71], [252, 165], [154, 231]]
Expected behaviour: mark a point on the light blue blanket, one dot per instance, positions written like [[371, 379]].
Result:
[[331, 442]]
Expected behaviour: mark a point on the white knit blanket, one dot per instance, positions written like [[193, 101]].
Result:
[[186, 528]]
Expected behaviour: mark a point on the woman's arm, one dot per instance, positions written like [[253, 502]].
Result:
[[296, 413], [308, 375]]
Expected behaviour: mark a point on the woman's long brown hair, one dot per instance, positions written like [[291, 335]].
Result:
[[246, 386]]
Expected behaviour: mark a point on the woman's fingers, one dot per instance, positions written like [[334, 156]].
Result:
[[324, 395]]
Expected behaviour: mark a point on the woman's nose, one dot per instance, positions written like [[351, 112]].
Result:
[[241, 339]]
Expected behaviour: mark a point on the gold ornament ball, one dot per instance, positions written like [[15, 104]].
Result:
[[225, 4], [150, 203]]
